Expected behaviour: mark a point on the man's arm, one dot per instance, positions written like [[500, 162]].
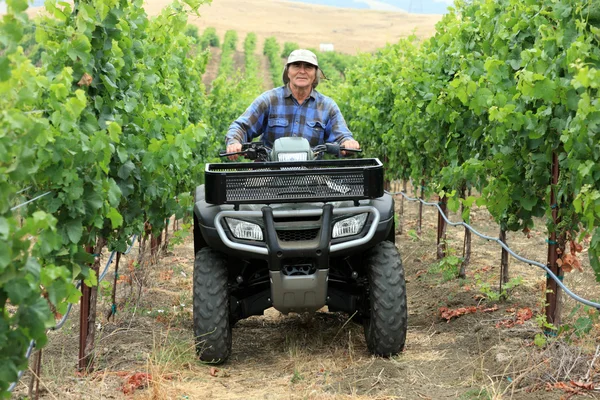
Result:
[[338, 131], [250, 124]]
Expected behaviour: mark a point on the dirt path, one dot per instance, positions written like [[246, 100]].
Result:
[[239, 62], [324, 356], [266, 75], [212, 69]]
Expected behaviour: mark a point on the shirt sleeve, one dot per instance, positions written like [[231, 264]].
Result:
[[336, 129], [251, 123]]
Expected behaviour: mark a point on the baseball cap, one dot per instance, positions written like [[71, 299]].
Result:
[[303, 55]]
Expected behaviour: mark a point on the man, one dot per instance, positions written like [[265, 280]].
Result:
[[295, 109]]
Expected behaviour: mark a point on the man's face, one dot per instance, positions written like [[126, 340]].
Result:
[[302, 74]]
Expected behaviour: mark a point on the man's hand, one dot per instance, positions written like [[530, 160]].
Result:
[[234, 148], [350, 144]]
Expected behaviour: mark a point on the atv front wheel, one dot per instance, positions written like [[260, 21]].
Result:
[[386, 320], [212, 330]]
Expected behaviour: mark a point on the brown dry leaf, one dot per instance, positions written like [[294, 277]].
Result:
[[524, 314], [491, 309], [213, 371], [586, 386], [419, 273], [569, 261], [478, 296], [166, 275], [448, 314], [576, 247], [560, 263], [86, 80], [138, 380]]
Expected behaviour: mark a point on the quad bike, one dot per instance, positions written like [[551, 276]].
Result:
[[295, 232]]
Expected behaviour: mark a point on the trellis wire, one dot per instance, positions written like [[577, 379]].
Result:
[[29, 201], [505, 247]]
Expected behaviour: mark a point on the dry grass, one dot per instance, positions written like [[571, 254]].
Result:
[[324, 356]]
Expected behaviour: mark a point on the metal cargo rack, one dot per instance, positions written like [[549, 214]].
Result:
[[293, 182]]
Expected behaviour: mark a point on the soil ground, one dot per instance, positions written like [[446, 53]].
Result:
[[324, 356]]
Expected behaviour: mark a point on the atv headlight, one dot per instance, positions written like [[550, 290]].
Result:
[[244, 230], [349, 226], [292, 156]]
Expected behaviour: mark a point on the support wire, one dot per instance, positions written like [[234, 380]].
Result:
[[505, 247]]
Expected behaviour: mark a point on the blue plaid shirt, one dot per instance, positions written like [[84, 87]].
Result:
[[276, 113]]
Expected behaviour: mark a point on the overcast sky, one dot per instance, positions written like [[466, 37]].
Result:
[[412, 6]]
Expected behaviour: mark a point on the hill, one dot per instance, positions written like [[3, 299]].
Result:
[[350, 30]]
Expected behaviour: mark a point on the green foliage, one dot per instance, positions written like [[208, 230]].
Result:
[[209, 38], [276, 64], [229, 46], [493, 295], [485, 103], [296, 377], [179, 236], [549, 331], [448, 266], [584, 318], [232, 92], [192, 31], [288, 47], [109, 121]]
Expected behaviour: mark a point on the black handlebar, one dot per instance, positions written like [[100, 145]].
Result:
[[258, 151]]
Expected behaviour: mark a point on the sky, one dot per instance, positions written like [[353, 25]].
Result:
[[412, 6]]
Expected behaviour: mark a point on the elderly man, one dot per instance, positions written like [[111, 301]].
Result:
[[295, 109]]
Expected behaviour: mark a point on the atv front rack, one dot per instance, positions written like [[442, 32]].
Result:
[[293, 182]]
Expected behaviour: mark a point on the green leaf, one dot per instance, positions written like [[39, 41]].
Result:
[[114, 193], [114, 131], [80, 48], [5, 71], [17, 6], [18, 290], [74, 230], [5, 255], [126, 169], [116, 218], [583, 325], [4, 228], [37, 317]]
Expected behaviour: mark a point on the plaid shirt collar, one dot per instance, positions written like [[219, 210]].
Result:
[[287, 92]]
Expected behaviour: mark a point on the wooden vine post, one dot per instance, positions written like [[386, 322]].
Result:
[[467, 239], [441, 230], [84, 312], [401, 219], [87, 317], [503, 261], [420, 219], [552, 288]]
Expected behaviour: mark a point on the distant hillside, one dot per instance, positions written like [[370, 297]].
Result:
[[350, 30]]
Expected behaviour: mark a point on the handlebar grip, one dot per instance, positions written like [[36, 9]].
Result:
[[224, 153]]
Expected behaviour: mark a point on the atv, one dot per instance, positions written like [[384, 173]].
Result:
[[296, 232]]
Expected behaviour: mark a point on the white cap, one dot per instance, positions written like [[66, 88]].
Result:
[[303, 55]]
